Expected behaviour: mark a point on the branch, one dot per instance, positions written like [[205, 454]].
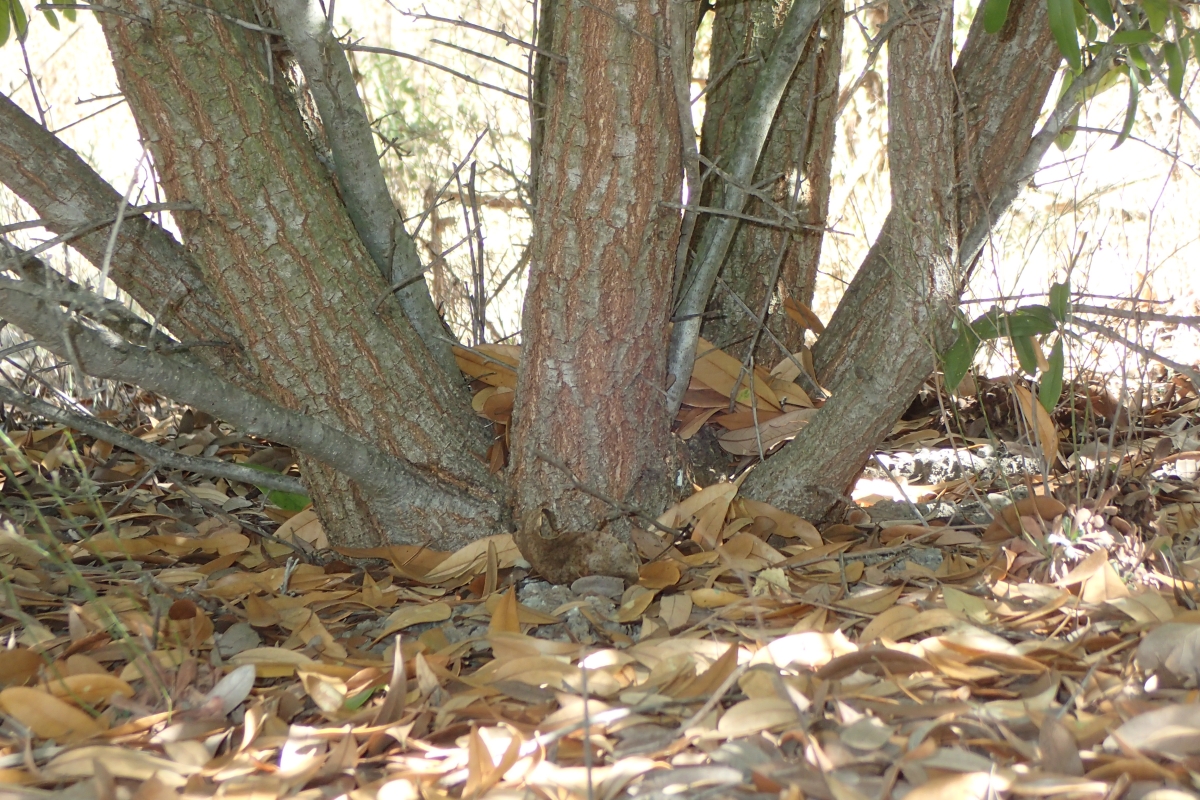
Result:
[[148, 263], [1020, 175], [718, 232], [153, 453], [103, 355], [1145, 352], [360, 176], [364, 48], [1136, 315]]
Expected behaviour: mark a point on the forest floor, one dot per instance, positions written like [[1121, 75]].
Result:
[[168, 635]]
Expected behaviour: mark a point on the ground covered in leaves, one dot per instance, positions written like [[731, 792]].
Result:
[[170, 636]]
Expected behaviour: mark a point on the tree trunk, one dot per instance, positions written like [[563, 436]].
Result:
[[799, 150], [274, 243], [589, 393], [883, 340]]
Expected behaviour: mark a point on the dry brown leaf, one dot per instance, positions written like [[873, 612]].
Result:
[[746, 441], [47, 716], [787, 525], [802, 315], [659, 574], [755, 716], [1007, 521], [89, 689], [1040, 424], [720, 371], [504, 615]]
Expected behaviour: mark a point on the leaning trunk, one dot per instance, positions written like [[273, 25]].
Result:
[[883, 340], [275, 246], [589, 393]]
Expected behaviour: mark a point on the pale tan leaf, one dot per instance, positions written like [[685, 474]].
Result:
[[675, 610], [745, 442], [755, 716], [411, 614], [89, 689], [504, 615], [1173, 730], [677, 515], [473, 558]]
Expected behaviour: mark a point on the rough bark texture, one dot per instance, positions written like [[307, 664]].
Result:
[[882, 342], [147, 262], [799, 149], [274, 243], [594, 324]]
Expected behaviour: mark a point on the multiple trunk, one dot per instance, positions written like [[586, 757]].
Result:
[[768, 262], [951, 151], [286, 281]]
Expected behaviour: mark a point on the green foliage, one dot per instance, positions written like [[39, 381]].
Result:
[[288, 501], [13, 18], [994, 15], [1152, 39], [1021, 327]]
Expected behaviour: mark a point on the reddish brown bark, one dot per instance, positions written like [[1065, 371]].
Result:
[[595, 317], [275, 245]]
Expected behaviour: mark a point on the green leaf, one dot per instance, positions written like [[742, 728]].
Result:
[[51, 17], [1132, 37], [289, 501], [1061, 15], [1052, 379], [1067, 135], [1156, 13], [994, 15], [958, 359], [1060, 300], [1031, 321], [20, 21], [1102, 10], [5, 22], [1174, 59], [1026, 350], [1130, 110], [69, 13]]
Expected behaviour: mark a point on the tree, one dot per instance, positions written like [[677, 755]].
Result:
[[295, 307]]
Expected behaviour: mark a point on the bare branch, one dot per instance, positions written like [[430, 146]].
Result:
[[1144, 352], [106, 356], [156, 455], [462, 23], [718, 233], [364, 48]]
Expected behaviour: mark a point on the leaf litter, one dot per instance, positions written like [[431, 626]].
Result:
[[168, 637]]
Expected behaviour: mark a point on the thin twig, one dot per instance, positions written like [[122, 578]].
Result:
[[461, 23], [624, 508], [1145, 352], [153, 453], [364, 48], [1139, 316], [501, 62]]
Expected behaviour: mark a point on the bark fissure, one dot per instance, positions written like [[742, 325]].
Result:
[[600, 282]]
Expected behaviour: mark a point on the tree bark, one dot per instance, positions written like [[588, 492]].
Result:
[[274, 243], [147, 262], [595, 318], [794, 170], [884, 338]]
